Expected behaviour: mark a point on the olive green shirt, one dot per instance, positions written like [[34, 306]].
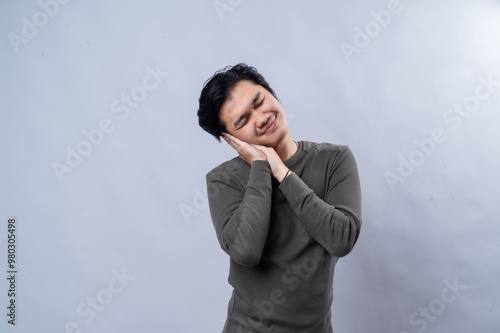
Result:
[[284, 239]]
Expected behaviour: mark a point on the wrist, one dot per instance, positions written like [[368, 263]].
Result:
[[283, 174]]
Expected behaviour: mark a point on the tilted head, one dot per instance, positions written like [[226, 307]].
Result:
[[238, 100]]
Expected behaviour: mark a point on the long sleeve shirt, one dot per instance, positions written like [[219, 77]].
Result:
[[284, 239]]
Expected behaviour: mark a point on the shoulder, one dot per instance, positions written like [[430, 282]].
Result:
[[330, 150], [332, 156], [228, 169]]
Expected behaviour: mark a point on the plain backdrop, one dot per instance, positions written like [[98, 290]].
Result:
[[103, 163]]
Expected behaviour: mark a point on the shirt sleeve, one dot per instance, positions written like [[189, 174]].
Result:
[[241, 214], [334, 222]]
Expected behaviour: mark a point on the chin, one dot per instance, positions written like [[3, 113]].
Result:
[[274, 140]]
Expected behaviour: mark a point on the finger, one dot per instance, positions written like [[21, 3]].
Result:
[[232, 144], [233, 139], [228, 137], [230, 140]]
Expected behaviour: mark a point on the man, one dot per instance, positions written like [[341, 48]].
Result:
[[283, 211]]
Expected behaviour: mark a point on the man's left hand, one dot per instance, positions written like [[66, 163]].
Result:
[[278, 168]]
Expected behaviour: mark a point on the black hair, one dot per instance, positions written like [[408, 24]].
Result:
[[217, 90]]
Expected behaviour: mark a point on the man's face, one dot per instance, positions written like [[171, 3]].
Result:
[[254, 115]]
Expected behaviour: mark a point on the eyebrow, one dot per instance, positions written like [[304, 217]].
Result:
[[255, 99]]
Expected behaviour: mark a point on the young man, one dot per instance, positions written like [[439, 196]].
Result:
[[283, 211]]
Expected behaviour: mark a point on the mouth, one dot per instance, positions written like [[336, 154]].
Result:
[[270, 127]]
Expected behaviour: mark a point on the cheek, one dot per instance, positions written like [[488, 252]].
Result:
[[247, 134]]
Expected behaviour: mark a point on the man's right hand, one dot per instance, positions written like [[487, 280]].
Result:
[[248, 152]]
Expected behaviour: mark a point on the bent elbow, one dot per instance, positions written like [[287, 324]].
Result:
[[244, 256], [343, 251], [248, 260], [244, 251], [346, 244]]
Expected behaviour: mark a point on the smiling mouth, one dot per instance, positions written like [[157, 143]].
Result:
[[271, 127]]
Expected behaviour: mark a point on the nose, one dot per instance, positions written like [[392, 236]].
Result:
[[261, 119]]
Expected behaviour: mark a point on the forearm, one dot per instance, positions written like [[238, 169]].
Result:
[[241, 215], [336, 228]]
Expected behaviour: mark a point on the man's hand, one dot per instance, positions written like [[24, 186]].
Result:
[[249, 153], [278, 168]]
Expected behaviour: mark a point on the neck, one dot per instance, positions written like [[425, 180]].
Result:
[[286, 148]]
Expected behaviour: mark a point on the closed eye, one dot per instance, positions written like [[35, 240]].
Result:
[[260, 103], [244, 122], [245, 117]]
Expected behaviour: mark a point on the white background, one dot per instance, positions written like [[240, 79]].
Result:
[[135, 204]]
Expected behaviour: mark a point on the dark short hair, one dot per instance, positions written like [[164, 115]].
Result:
[[218, 88]]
